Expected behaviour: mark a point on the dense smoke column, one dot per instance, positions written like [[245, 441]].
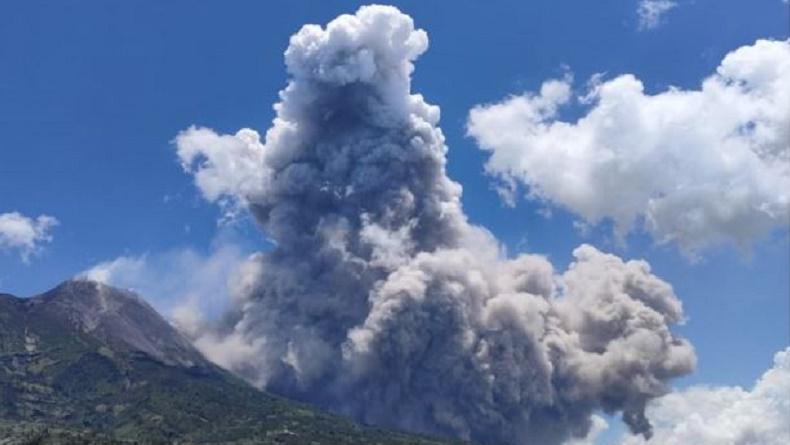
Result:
[[356, 185], [381, 301]]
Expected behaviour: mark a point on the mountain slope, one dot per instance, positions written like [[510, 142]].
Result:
[[93, 361]]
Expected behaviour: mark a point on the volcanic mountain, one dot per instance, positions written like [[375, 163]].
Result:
[[89, 363]]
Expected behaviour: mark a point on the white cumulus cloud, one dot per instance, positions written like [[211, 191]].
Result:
[[725, 415], [698, 167], [25, 234], [227, 168]]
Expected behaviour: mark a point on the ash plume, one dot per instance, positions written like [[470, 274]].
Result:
[[380, 300]]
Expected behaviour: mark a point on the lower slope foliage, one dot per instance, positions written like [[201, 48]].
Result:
[[59, 384]]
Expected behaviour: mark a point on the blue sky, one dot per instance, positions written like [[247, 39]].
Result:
[[92, 95]]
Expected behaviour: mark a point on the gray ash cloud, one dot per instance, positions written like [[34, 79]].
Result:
[[380, 300]]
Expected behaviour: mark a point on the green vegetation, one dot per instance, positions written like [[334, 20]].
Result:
[[61, 385]]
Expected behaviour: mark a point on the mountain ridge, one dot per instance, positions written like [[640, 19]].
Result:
[[115, 316], [86, 360]]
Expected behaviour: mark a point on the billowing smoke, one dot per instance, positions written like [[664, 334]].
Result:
[[381, 301]]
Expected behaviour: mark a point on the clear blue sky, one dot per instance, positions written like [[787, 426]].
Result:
[[93, 93]]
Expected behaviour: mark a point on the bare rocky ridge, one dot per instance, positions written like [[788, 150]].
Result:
[[120, 318]]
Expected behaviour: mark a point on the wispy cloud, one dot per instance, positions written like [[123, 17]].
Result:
[[24, 234], [651, 12], [184, 284]]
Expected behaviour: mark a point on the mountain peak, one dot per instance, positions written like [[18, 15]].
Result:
[[119, 318], [89, 363], [92, 293]]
